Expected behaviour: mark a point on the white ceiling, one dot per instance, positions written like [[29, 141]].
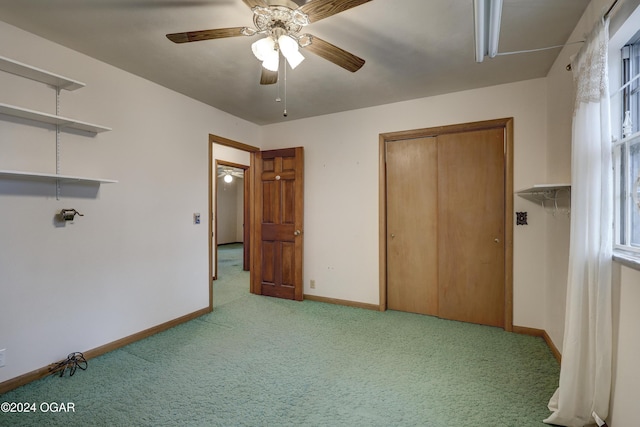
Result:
[[412, 48]]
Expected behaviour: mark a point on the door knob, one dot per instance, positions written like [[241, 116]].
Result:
[[496, 240], [297, 233], [393, 235]]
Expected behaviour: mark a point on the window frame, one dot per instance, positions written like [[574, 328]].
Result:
[[624, 186], [628, 66]]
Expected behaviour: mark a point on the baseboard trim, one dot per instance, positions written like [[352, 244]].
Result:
[[98, 351], [542, 334], [347, 303]]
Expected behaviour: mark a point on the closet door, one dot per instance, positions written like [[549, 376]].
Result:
[[445, 207], [412, 252], [471, 188]]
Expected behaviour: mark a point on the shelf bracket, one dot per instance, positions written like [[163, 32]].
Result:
[[554, 195], [543, 194]]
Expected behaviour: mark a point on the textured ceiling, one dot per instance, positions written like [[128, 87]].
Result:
[[412, 48]]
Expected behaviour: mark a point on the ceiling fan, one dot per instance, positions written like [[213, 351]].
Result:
[[228, 173], [281, 21]]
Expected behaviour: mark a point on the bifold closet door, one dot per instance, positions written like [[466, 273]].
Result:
[[412, 219]]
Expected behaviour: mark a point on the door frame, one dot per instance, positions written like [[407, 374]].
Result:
[[246, 235], [215, 139], [384, 138]]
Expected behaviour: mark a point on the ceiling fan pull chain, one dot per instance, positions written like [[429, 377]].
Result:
[[278, 89], [285, 90]]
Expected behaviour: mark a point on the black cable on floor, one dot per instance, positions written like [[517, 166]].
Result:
[[72, 362]]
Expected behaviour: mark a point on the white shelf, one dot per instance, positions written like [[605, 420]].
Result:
[[544, 192], [39, 75], [60, 82], [558, 196], [52, 177], [65, 122]]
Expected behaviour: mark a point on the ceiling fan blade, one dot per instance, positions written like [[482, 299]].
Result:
[[268, 77], [333, 53], [320, 9], [253, 3], [196, 36]]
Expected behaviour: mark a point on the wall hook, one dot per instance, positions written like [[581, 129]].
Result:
[[69, 214]]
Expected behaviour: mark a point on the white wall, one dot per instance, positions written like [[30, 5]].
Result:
[[341, 186], [135, 260], [240, 210], [230, 210], [624, 409]]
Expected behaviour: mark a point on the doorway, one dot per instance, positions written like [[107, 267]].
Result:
[[231, 210], [213, 172], [446, 202], [271, 256]]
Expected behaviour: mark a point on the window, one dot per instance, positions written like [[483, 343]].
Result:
[[631, 68], [626, 156]]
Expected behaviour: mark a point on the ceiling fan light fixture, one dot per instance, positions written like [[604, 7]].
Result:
[[289, 48], [263, 48], [272, 61], [274, 19]]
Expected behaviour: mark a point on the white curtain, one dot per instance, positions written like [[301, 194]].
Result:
[[585, 374]]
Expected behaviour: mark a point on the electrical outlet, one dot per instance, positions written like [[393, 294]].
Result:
[[312, 284], [2, 355]]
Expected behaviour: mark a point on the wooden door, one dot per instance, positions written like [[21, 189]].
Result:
[[471, 226], [445, 224], [412, 220], [276, 261]]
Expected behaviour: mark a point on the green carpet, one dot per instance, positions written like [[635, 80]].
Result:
[[259, 361]]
